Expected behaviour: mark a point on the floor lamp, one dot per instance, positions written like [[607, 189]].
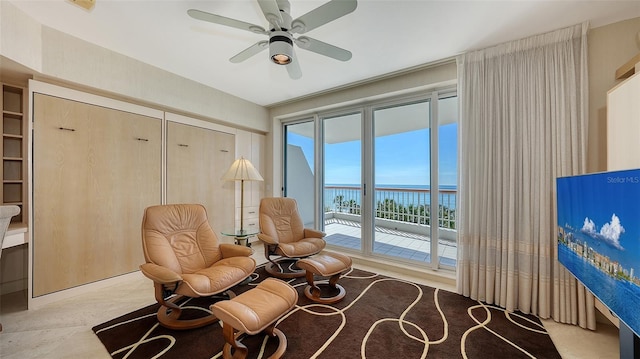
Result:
[[242, 170]]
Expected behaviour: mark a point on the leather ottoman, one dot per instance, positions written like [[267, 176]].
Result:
[[326, 264], [254, 311]]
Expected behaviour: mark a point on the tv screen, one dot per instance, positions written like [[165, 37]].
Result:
[[599, 238]]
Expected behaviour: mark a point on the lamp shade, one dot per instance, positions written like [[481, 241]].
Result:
[[242, 170]]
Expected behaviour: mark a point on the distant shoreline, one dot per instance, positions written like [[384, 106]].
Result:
[[403, 186], [407, 195]]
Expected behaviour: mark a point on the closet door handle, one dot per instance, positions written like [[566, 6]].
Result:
[[66, 129], [182, 145], [224, 150], [142, 139]]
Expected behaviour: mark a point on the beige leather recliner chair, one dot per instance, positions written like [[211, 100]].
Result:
[[183, 258], [283, 234]]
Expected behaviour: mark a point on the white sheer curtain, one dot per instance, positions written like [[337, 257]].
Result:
[[523, 123]]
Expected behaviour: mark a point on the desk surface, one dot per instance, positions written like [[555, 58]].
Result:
[[16, 235]]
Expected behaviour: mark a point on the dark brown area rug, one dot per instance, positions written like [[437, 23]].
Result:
[[380, 317]]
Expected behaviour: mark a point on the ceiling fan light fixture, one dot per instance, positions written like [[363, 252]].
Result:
[[281, 31], [281, 48], [281, 59]]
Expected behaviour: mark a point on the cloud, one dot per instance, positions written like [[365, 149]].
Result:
[[613, 229], [589, 227], [609, 233]]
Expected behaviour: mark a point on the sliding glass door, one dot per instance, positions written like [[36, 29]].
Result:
[[342, 195], [299, 179], [402, 173], [381, 178]]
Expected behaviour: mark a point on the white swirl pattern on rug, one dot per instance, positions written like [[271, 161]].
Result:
[[332, 311], [484, 325], [131, 348]]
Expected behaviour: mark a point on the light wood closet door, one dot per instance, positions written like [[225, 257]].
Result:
[[196, 160], [95, 170]]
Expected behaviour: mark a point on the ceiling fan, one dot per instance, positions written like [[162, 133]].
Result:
[[282, 28]]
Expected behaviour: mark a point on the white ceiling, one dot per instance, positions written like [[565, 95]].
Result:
[[384, 36]]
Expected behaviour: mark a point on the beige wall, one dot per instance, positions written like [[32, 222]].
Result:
[[408, 81], [51, 55], [19, 37], [427, 77], [29, 49], [610, 47], [48, 54]]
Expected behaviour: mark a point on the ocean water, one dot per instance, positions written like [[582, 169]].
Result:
[[407, 186], [403, 198], [621, 297]]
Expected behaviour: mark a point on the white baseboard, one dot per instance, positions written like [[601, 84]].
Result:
[[37, 302]]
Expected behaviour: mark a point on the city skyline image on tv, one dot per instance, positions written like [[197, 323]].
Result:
[[599, 238]]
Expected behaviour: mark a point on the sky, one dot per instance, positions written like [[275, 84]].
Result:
[[401, 159], [604, 210]]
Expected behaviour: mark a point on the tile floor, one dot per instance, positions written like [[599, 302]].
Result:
[[63, 329]]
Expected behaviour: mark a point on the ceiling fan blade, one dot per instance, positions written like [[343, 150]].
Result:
[[250, 51], [323, 14], [217, 19], [322, 48], [293, 68], [271, 12]]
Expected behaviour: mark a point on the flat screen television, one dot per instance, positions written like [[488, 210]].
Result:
[[599, 238]]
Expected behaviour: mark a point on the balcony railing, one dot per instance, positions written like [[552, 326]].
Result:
[[398, 204]]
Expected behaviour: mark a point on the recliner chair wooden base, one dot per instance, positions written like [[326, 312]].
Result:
[[234, 349], [276, 269], [283, 267], [325, 264], [169, 312]]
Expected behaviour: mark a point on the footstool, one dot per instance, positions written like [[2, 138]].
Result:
[[254, 311], [326, 264]]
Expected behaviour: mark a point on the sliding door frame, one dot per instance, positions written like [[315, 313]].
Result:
[[366, 110]]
